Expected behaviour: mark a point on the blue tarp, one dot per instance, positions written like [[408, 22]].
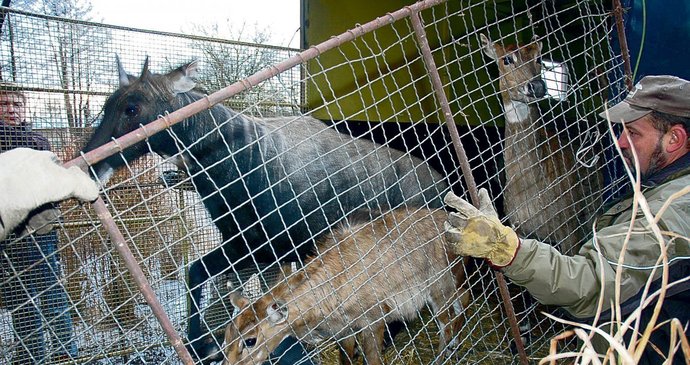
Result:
[[664, 41]]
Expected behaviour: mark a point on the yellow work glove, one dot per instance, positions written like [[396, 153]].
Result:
[[478, 232]]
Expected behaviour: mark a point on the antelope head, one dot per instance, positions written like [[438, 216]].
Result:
[[256, 331], [519, 69]]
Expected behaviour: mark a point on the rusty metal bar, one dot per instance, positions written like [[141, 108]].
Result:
[[428, 58], [88, 223], [623, 41], [140, 280]]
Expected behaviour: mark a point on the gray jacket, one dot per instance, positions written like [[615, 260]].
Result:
[[575, 283]]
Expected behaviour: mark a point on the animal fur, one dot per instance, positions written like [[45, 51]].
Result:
[[548, 195], [365, 275]]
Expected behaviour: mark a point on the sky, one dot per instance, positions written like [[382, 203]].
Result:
[[280, 18]]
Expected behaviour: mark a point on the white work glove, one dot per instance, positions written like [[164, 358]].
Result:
[[30, 179], [479, 232]]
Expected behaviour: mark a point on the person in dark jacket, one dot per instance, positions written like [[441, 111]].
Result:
[[29, 262], [656, 115]]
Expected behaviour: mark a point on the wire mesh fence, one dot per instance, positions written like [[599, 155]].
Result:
[[211, 205]]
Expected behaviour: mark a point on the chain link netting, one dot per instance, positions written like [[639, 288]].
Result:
[[173, 208]]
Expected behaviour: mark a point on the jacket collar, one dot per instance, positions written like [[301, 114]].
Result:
[[677, 168]]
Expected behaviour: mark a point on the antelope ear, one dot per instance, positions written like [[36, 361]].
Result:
[[488, 46], [122, 74], [535, 40], [181, 78], [238, 300], [277, 313]]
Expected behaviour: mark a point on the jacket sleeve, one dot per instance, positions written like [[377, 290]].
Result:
[[40, 142], [572, 282], [576, 282]]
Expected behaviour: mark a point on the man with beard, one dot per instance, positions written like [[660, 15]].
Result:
[[656, 116]]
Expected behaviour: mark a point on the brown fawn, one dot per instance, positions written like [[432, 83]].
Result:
[[365, 275]]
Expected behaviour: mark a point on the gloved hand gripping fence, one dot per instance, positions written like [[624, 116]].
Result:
[[29, 179], [479, 232]]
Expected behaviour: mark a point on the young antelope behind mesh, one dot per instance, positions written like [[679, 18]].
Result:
[[366, 274], [548, 194]]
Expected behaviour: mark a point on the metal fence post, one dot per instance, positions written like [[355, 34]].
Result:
[[465, 167]]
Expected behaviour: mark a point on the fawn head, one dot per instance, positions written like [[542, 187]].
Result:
[[519, 69], [256, 331]]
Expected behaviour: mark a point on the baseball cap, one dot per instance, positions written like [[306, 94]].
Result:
[[664, 93]]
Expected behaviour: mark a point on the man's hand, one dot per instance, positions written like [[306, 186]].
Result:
[[30, 179], [478, 232]]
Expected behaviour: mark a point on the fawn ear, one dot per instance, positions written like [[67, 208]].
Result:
[[488, 46], [238, 300], [277, 313]]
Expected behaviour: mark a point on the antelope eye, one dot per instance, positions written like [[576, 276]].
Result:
[[507, 60], [132, 110], [250, 342]]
